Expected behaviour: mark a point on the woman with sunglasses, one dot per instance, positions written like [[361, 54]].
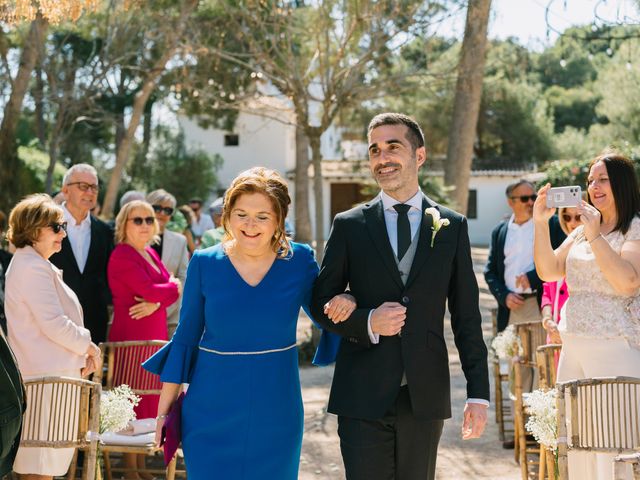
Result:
[[600, 326], [142, 290], [172, 246], [555, 294], [44, 320]]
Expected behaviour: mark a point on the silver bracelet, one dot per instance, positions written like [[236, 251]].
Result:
[[595, 238], [161, 417]]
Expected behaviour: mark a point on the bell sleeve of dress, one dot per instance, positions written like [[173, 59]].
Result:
[[125, 269], [174, 362], [327, 350]]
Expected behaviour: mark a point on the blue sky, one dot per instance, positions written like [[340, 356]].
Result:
[[525, 19]]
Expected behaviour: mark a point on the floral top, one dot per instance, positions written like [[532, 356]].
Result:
[[594, 308]]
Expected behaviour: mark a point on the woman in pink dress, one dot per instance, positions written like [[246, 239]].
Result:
[[142, 289]]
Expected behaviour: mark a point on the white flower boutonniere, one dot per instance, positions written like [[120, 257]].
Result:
[[438, 222]]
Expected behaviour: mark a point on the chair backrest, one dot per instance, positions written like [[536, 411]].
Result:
[[123, 365], [532, 335], [60, 412], [545, 358], [598, 415]]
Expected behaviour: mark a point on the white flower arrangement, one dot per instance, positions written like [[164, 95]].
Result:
[[507, 344], [542, 423], [438, 222], [116, 409]]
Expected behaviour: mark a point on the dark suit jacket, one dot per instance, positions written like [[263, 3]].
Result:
[[12, 406], [367, 377], [90, 286], [494, 270]]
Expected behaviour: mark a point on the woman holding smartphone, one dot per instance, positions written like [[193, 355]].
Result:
[[601, 261]]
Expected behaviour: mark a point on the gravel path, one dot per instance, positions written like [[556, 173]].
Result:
[[478, 459]]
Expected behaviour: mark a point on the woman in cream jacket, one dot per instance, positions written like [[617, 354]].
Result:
[[44, 319]]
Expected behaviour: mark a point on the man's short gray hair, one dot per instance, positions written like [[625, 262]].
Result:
[[130, 196], [161, 196], [78, 168]]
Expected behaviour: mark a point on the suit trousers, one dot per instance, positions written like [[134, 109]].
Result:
[[395, 447], [584, 357]]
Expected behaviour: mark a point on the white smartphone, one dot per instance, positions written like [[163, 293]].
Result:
[[564, 196]]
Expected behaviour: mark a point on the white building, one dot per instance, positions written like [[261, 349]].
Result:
[[267, 138]]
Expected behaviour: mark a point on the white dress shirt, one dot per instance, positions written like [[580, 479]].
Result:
[[79, 235], [391, 221], [202, 224], [518, 253]]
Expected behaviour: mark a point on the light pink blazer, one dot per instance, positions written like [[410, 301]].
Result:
[[44, 316]]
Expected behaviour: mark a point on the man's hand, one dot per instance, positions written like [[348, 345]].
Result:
[[340, 307], [142, 308], [475, 418], [388, 319], [514, 301], [522, 281]]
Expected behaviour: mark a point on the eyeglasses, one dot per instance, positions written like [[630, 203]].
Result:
[[139, 220], [56, 227], [567, 218], [85, 187], [160, 209], [525, 198]]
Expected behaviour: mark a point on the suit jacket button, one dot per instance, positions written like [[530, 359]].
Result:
[[405, 300], [353, 340]]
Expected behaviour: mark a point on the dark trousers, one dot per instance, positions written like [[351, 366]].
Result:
[[395, 447]]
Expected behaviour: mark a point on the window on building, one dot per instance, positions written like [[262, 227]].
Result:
[[231, 140], [472, 204]]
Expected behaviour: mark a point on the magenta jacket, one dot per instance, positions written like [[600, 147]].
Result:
[[549, 292]]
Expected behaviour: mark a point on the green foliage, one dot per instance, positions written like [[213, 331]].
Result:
[[566, 172], [35, 163], [180, 171], [572, 107]]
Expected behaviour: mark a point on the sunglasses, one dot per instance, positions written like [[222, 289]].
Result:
[[85, 187], [139, 220], [525, 198], [160, 209], [567, 218], [56, 227]]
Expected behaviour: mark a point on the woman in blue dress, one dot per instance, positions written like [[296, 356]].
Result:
[[235, 345]]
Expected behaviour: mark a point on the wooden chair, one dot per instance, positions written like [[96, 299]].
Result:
[[63, 412], [620, 463], [532, 335], [603, 416], [122, 365], [504, 415], [545, 358]]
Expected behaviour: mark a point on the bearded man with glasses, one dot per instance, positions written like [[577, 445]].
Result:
[[86, 248]]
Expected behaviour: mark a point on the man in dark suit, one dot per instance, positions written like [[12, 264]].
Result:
[[510, 272], [403, 257], [12, 406], [86, 249]]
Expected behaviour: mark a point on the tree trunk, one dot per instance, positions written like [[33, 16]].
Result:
[[149, 84], [302, 214], [9, 163], [316, 160], [38, 99], [467, 102]]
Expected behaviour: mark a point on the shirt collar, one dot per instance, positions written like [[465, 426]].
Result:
[[414, 202], [513, 225], [71, 220]]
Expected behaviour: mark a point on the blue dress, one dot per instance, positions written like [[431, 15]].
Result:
[[242, 416]]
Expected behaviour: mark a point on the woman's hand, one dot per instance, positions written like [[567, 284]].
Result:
[[541, 213], [143, 308], [340, 307], [552, 329], [178, 283], [93, 360], [590, 218], [159, 424]]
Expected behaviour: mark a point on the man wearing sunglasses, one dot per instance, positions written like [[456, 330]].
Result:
[[86, 248], [172, 247], [510, 271]]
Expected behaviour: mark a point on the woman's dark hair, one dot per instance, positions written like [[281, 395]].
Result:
[[624, 186]]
